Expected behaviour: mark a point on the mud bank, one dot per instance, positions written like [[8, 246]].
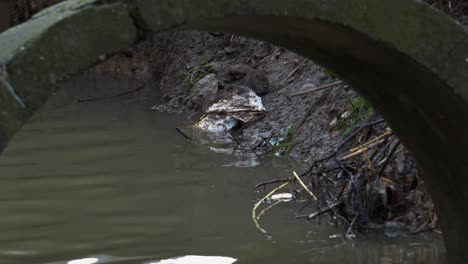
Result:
[[310, 115]]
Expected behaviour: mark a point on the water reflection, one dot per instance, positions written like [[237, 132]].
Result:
[[84, 261], [114, 178], [197, 260]]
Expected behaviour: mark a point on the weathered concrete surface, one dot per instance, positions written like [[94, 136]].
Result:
[[409, 60], [54, 45]]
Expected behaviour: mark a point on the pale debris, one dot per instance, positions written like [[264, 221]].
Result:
[[217, 123], [244, 107], [282, 197]]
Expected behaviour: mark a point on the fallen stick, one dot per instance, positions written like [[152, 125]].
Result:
[[320, 211], [316, 89], [349, 231], [315, 214], [304, 186], [294, 70], [264, 211], [362, 150], [388, 133], [361, 128], [254, 210], [183, 134], [264, 184]]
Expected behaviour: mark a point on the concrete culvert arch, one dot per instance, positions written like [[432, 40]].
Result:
[[407, 59]]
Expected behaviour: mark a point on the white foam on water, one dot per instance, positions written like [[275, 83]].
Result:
[[191, 259], [84, 261]]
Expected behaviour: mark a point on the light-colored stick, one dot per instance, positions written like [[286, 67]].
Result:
[[362, 150], [304, 186], [254, 210], [316, 89], [387, 133], [294, 71]]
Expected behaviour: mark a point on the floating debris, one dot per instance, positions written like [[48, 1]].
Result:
[[282, 197]]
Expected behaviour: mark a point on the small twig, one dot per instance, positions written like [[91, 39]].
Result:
[[239, 144], [264, 140], [264, 184], [362, 150], [429, 229], [315, 214], [183, 134], [390, 156], [294, 71], [320, 211], [377, 154], [254, 210], [387, 133], [361, 128], [304, 206], [316, 89], [304, 186], [264, 211], [349, 231]]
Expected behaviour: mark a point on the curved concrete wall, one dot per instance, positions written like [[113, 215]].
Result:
[[409, 60]]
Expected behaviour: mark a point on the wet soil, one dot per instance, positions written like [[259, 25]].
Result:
[[313, 126]]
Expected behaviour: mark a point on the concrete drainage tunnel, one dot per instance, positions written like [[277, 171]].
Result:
[[406, 58]]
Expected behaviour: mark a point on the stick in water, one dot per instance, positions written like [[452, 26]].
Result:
[[304, 186]]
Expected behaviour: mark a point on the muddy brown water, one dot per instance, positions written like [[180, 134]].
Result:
[[112, 182]]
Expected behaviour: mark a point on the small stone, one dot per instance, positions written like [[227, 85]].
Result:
[[345, 115], [334, 122], [102, 57], [466, 60]]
